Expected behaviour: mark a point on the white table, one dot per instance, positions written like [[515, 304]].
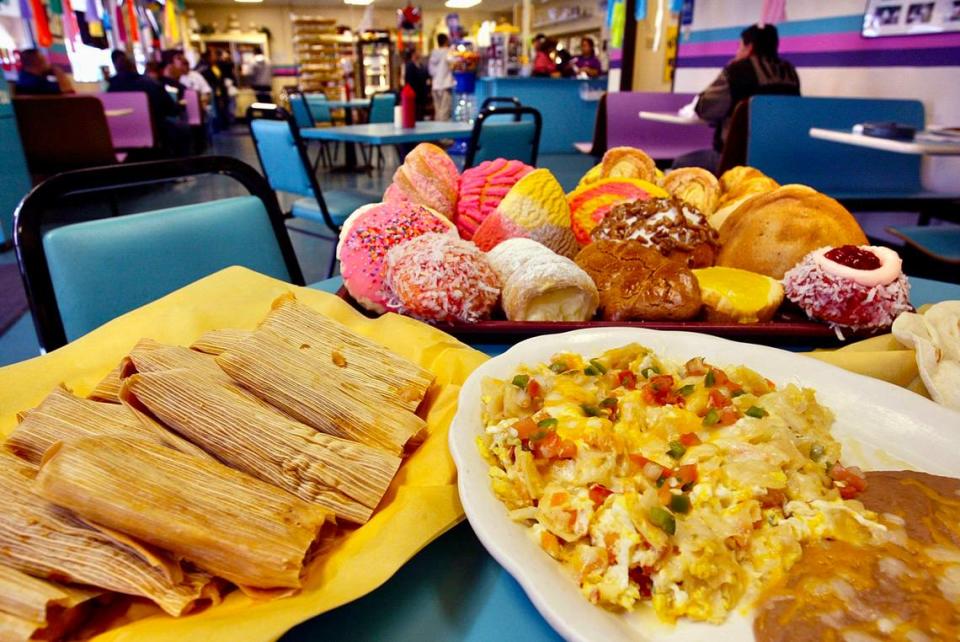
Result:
[[116, 113], [924, 147], [671, 117], [583, 148]]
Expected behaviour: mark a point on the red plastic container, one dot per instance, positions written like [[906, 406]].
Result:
[[408, 107]]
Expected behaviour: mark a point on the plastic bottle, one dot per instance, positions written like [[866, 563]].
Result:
[[408, 104]]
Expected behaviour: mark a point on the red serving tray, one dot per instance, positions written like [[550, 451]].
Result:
[[788, 327]]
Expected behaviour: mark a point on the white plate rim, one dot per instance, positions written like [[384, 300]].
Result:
[[886, 396]]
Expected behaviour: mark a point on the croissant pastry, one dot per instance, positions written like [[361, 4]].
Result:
[[695, 186], [539, 285], [628, 162]]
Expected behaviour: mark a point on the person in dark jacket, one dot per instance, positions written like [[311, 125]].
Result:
[[756, 69], [416, 76], [34, 76]]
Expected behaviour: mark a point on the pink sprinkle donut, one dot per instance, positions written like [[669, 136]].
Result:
[[367, 236], [481, 190], [436, 277]]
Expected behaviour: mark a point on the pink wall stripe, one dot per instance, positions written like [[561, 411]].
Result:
[[828, 42]]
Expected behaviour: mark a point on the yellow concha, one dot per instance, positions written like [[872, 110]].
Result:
[[535, 199], [740, 296], [594, 174]]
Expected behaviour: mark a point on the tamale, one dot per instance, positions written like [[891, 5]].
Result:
[[317, 393], [151, 356], [347, 477], [63, 416], [217, 341], [224, 521], [384, 374], [48, 541], [109, 387], [31, 608]]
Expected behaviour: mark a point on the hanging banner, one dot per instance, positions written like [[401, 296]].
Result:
[[170, 26], [132, 19], [41, 25], [92, 16]]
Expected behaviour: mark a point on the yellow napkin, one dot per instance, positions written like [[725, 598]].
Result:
[[881, 357], [422, 502]]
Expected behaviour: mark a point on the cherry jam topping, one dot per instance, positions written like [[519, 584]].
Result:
[[854, 257]]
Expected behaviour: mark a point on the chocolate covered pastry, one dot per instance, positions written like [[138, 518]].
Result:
[[637, 283], [672, 227]]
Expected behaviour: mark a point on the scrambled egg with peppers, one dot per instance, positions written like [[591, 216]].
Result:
[[690, 486]]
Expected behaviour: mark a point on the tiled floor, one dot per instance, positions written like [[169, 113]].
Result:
[[19, 342]]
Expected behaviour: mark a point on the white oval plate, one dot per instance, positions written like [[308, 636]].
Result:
[[880, 426]]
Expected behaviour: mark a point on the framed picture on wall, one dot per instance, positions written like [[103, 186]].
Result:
[[910, 17]]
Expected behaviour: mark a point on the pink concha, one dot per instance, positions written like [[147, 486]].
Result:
[[367, 236], [495, 229], [481, 190]]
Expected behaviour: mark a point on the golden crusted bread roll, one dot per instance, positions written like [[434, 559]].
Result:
[[738, 185], [734, 176], [772, 232], [540, 285], [695, 186], [628, 162]]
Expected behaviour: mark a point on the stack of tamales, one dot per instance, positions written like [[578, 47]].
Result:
[[190, 468]]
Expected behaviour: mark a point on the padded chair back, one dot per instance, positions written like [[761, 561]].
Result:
[[735, 146], [493, 101], [62, 133], [194, 110], [319, 108], [662, 141], [300, 110], [78, 276], [13, 168], [283, 156], [381, 108], [133, 130], [516, 137], [780, 145]]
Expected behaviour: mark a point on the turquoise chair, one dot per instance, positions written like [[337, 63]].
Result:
[[13, 168], [80, 275], [505, 132], [381, 111], [779, 144], [932, 251], [309, 111], [283, 157], [301, 112]]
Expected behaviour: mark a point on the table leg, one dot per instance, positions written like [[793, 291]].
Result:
[[349, 149]]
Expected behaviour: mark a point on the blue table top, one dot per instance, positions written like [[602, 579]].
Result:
[[453, 589], [388, 133]]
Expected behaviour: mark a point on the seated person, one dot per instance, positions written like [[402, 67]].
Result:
[[587, 62], [543, 63], [33, 78], [174, 68], [756, 69]]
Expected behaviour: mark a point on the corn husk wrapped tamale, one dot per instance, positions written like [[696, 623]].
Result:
[[31, 608], [48, 541], [108, 390], [318, 393], [63, 416], [385, 375], [346, 477], [217, 341], [223, 520], [152, 356]]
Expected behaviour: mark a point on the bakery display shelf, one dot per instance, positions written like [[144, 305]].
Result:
[[788, 327]]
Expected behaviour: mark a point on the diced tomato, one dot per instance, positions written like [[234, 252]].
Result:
[[728, 416], [639, 460], [526, 428], [718, 399], [771, 385], [599, 493], [534, 389], [849, 481], [627, 379], [550, 543], [773, 497], [664, 494], [690, 439], [553, 447], [687, 474], [557, 499], [640, 575], [659, 392]]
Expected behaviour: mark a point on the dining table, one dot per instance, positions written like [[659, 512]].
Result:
[[922, 144], [672, 117], [453, 589], [387, 134]]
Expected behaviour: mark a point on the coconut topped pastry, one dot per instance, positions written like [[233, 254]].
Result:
[[670, 226], [856, 287]]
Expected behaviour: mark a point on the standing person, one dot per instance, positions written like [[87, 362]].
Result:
[[210, 71], [442, 77], [416, 76], [757, 68], [543, 64], [34, 76], [230, 87], [261, 76], [587, 62]]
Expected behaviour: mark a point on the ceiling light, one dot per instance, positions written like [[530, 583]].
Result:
[[461, 4], [361, 3]]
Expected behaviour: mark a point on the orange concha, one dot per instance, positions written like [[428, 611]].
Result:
[[590, 203], [427, 177]]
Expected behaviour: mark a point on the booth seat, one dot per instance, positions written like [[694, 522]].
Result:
[[662, 141]]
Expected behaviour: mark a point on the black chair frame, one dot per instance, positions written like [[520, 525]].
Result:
[[517, 113], [493, 100], [28, 219]]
